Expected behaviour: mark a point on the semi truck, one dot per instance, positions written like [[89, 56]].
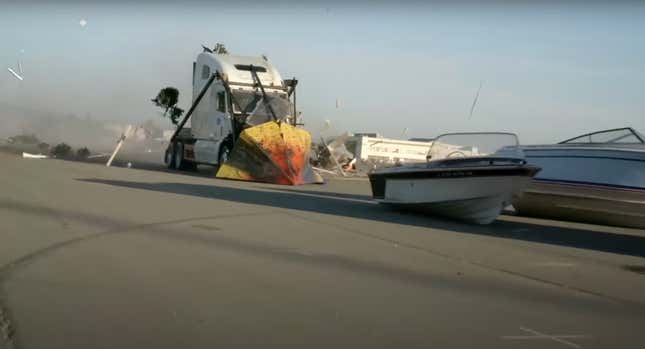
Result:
[[243, 118]]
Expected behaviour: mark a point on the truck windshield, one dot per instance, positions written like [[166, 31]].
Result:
[[256, 107], [247, 101]]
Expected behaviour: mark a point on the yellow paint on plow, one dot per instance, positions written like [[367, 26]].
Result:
[[273, 152]]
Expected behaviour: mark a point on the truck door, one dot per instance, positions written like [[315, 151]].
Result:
[[206, 121], [218, 118]]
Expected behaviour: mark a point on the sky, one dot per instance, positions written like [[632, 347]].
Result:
[[402, 69]]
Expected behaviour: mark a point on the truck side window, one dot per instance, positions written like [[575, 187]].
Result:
[[221, 101], [206, 72]]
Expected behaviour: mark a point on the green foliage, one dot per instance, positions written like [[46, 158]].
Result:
[[174, 115], [61, 150], [83, 153], [167, 99]]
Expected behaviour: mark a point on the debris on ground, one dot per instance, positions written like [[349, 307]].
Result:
[[358, 154], [102, 155], [33, 156]]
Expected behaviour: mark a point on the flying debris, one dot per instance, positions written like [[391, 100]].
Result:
[[82, 22], [206, 49], [472, 108], [16, 75], [33, 156], [326, 125]]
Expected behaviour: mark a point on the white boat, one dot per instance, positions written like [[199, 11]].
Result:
[[468, 176], [597, 178]]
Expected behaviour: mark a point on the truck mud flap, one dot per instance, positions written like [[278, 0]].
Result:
[[272, 152]]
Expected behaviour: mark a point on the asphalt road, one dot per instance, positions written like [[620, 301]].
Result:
[[96, 257]]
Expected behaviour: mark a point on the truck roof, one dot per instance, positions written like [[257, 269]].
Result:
[[237, 68]]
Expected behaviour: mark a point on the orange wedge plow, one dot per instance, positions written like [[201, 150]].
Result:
[[272, 152]]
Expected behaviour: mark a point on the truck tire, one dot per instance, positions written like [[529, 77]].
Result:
[[169, 156], [178, 155], [224, 152]]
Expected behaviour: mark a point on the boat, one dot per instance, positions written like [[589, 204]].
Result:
[[597, 177], [467, 176]]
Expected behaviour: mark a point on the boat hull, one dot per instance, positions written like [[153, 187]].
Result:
[[600, 185], [476, 196]]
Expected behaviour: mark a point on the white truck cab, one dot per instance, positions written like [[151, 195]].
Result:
[[230, 103]]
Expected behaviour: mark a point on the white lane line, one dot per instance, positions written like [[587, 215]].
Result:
[[560, 338], [552, 337]]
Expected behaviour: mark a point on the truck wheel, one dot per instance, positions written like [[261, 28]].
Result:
[[178, 155], [224, 152], [169, 157]]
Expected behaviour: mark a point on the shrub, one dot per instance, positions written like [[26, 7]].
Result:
[[61, 150], [83, 153]]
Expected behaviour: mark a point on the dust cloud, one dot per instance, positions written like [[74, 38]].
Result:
[[78, 131]]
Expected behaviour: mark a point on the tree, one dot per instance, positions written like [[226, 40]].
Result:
[[83, 153], [167, 98], [61, 150]]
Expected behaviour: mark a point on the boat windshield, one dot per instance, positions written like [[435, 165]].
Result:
[[256, 107], [467, 145], [619, 135]]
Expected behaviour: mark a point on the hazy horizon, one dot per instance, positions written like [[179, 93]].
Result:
[[549, 72]]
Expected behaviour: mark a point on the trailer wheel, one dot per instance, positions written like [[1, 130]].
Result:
[[224, 152], [169, 157], [178, 155]]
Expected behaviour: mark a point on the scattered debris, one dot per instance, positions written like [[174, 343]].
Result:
[[358, 154], [337, 152], [16, 75], [103, 155], [472, 107], [33, 156], [127, 133], [168, 98]]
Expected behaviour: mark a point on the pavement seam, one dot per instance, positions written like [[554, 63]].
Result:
[[480, 265]]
